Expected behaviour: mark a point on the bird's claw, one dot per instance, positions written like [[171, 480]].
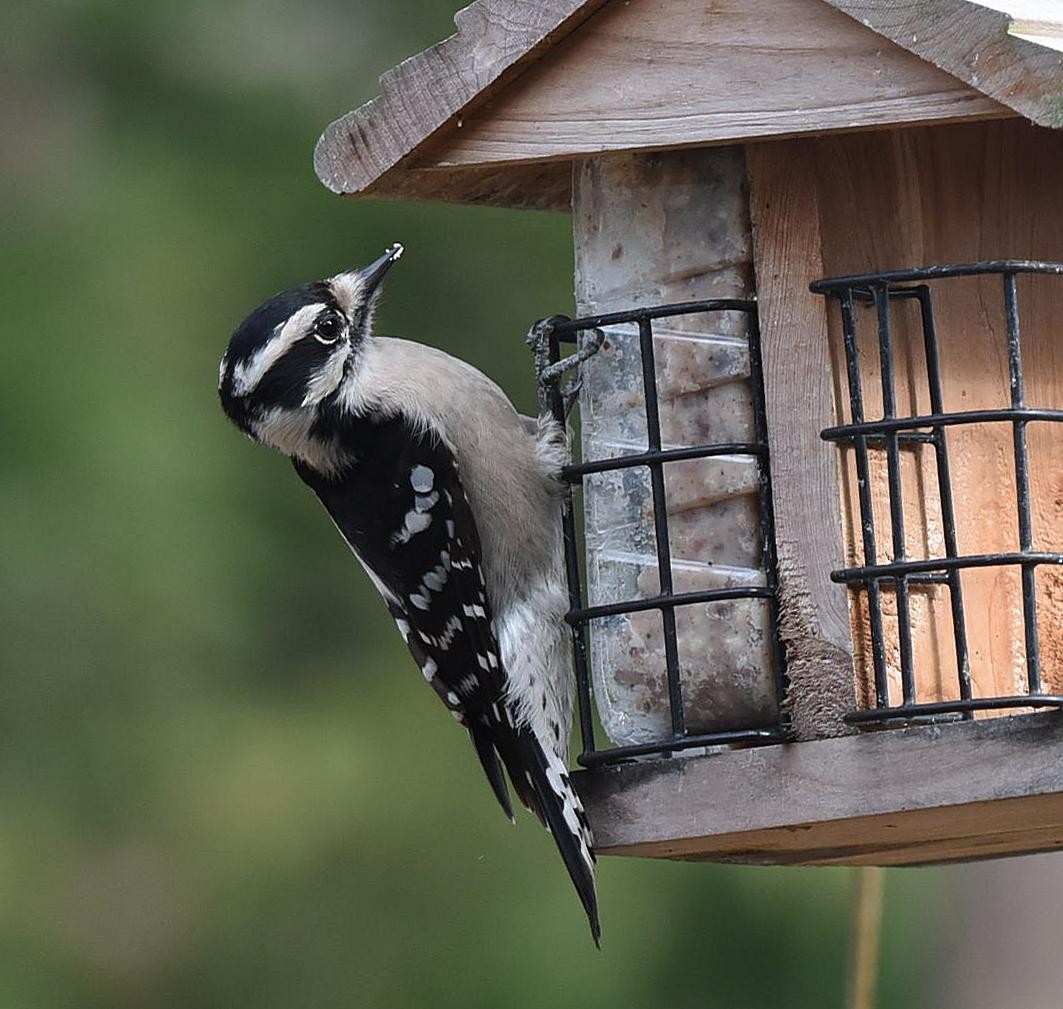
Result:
[[552, 395], [570, 394]]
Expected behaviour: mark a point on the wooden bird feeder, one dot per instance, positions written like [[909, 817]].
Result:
[[821, 473]]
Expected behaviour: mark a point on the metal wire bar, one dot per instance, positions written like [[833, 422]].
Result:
[[904, 438], [896, 494], [867, 515], [1022, 482], [557, 330], [880, 427], [569, 327], [769, 734], [910, 711], [948, 512], [575, 591], [660, 526], [668, 601], [937, 564], [893, 432], [833, 285], [575, 472]]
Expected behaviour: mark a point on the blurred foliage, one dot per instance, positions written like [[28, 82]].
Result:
[[222, 781]]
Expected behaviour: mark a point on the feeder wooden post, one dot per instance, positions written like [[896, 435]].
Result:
[[800, 402]]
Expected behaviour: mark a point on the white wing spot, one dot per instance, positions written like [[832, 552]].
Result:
[[404, 628], [326, 378], [414, 523], [417, 522], [435, 579], [452, 626], [421, 602], [450, 529], [474, 611], [469, 684], [429, 668], [421, 479], [484, 663], [423, 502], [453, 698]]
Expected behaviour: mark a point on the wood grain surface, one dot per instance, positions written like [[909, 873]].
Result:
[[494, 41], [972, 43], [800, 402], [666, 73], [924, 794]]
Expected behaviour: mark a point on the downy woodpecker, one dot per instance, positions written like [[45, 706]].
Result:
[[452, 503]]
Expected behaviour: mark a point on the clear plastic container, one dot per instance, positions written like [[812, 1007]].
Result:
[[725, 652]]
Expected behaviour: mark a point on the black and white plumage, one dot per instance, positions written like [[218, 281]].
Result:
[[451, 501]]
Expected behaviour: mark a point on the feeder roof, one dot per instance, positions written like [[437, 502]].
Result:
[[496, 113]]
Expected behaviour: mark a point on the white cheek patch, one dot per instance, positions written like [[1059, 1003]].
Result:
[[325, 379], [247, 374], [288, 431]]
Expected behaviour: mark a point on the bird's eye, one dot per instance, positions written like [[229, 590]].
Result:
[[328, 329]]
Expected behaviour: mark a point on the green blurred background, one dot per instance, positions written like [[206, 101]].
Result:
[[222, 779]]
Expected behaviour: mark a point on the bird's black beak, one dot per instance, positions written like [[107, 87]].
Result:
[[373, 274]]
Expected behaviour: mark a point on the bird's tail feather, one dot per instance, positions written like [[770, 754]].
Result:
[[485, 750], [553, 799], [542, 784]]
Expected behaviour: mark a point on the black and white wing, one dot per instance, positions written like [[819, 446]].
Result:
[[403, 511]]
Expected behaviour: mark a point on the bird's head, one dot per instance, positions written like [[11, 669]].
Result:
[[293, 352]]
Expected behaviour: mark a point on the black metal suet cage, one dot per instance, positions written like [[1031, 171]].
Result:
[[558, 330], [880, 293]]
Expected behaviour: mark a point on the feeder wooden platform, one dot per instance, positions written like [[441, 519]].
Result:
[[913, 796]]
